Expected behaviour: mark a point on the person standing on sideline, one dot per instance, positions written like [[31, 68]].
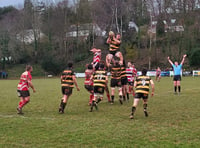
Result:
[[158, 74], [68, 79], [23, 88], [142, 85], [177, 73]]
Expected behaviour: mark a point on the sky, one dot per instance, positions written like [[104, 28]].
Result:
[[20, 3], [16, 3]]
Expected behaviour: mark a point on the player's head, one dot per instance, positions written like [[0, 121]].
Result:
[[144, 72], [90, 66], [29, 68], [118, 36], [176, 63], [129, 64], [70, 64]]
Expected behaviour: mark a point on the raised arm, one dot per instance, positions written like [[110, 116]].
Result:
[[170, 61], [183, 60]]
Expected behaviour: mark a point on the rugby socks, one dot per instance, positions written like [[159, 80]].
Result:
[[145, 106], [124, 98], [108, 96], [99, 100], [127, 94], [120, 99], [22, 103], [145, 110], [91, 97], [133, 109], [112, 98], [175, 88], [179, 88]]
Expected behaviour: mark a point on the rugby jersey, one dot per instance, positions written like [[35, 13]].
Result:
[[67, 78], [142, 84], [116, 72], [23, 82], [88, 74], [99, 78]]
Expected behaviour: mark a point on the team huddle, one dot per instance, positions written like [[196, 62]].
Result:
[[123, 76]]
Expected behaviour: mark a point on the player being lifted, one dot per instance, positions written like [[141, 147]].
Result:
[[142, 90], [114, 47], [100, 79]]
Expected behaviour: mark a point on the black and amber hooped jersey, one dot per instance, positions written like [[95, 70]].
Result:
[[143, 83], [99, 78], [114, 45], [116, 72], [67, 78], [123, 71]]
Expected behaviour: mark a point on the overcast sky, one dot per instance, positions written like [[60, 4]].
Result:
[[15, 3], [20, 3]]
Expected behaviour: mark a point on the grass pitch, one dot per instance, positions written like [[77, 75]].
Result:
[[173, 120]]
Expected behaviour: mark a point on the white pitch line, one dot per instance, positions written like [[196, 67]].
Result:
[[21, 116]]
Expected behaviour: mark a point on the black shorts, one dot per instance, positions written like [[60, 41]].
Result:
[[89, 88], [124, 81], [141, 95], [113, 52], [23, 94], [177, 78], [115, 83], [66, 90], [98, 90]]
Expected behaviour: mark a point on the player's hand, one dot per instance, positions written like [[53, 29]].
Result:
[[184, 55], [34, 90], [78, 89], [168, 58], [152, 94]]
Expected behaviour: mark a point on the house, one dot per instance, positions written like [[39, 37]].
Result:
[[83, 30]]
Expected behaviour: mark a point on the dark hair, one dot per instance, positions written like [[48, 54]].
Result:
[[101, 66], [144, 72], [70, 64], [90, 66], [28, 67], [97, 66]]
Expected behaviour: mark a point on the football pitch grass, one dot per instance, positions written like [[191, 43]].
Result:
[[174, 120]]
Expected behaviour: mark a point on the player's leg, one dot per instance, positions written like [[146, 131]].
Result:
[[179, 86], [120, 95], [107, 93], [108, 59], [120, 56], [112, 94], [145, 107], [175, 86], [133, 109]]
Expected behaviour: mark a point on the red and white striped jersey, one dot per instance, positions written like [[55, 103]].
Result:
[[23, 83], [88, 74], [131, 72], [97, 57]]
